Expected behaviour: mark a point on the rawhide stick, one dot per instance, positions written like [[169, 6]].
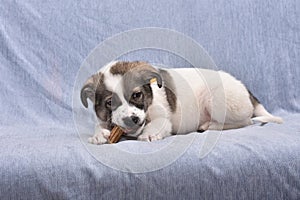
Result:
[[115, 135]]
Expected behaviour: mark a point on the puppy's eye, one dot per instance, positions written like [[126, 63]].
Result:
[[108, 103], [137, 95]]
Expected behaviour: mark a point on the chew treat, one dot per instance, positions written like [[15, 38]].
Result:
[[153, 80], [115, 135]]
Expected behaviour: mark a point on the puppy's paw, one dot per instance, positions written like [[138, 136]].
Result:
[[204, 127], [100, 138], [106, 133], [149, 137]]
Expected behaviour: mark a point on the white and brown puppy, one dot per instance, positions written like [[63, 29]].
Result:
[[179, 101]]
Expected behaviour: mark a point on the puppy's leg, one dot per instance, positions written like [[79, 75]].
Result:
[[157, 129], [100, 136], [235, 112], [226, 126]]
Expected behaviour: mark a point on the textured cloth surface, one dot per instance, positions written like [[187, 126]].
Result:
[[42, 45], [250, 163]]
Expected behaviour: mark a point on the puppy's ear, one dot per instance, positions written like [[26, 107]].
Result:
[[147, 73], [88, 90], [150, 75]]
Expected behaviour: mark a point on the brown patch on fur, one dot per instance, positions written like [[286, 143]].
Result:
[[146, 72], [148, 120], [141, 68], [146, 99], [255, 102], [253, 99], [121, 68], [170, 89], [90, 87], [95, 90], [172, 99]]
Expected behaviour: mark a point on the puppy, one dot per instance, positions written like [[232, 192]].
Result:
[[150, 103]]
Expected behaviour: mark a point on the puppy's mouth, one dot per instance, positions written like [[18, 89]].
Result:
[[128, 130], [132, 130]]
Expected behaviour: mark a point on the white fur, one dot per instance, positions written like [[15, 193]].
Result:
[[160, 125], [222, 101]]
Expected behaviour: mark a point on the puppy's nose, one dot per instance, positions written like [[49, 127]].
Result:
[[135, 119], [131, 121]]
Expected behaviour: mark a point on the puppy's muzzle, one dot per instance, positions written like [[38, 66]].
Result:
[[131, 121]]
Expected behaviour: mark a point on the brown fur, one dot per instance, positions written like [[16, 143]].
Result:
[[121, 68], [90, 87], [170, 89], [253, 99]]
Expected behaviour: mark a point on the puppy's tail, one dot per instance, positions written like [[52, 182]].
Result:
[[260, 114], [263, 116]]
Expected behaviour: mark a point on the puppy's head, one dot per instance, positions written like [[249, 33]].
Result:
[[121, 94]]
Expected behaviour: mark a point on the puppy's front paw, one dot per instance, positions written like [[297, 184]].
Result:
[[149, 137], [100, 138]]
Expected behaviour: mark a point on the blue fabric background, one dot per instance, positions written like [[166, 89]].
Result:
[[42, 45]]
